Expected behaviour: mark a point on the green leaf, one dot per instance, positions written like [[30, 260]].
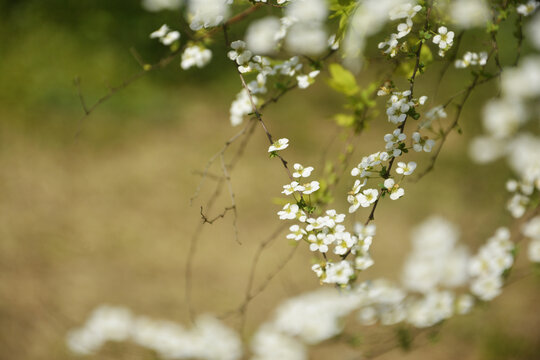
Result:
[[344, 120], [342, 80]]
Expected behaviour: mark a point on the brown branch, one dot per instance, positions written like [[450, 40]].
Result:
[[231, 194], [206, 220], [198, 231], [215, 156]]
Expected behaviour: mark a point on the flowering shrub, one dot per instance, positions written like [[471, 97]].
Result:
[[303, 41]]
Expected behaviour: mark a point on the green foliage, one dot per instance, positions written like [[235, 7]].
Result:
[[404, 338], [341, 9], [342, 80]]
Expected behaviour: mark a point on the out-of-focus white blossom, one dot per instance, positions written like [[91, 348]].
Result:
[[195, 56], [471, 58], [207, 13], [158, 5], [485, 149], [240, 107], [305, 81], [469, 13], [502, 118], [261, 35], [368, 19], [533, 31], [532, 231], [165, 35], [528, 8], [306, 39], [209, 339], [533, 250], [270, 344]]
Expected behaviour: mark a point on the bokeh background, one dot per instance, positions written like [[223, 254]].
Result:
[[97, 210]]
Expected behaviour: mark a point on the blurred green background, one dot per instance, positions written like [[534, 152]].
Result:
[[97, 210]]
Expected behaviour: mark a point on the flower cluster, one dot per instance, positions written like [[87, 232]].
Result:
[[405, 11], [503, 118], [263, 68], [471, 59], [325, 231], [488, 267], [400, 104], [209, 339], [195, 55]]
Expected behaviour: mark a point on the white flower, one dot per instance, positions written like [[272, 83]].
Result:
[[528, 8], [420, 143], [195, 56], [241, 106], [279, 145], [363, 262], [394, 140], [368, 197], [320, 242], [391, 45], [170, 38], [487, 287], [258, 86], [338, 273], [332, 42], [292, 187], [311, 187], [239, 53], [333, 215], [406, 10], [395, 191], [406, 169], [289, 212], [358, 186], [305, 80], [165, 35], [404, 28], [301, 171], [296, 232], [344, 243], [161, 32], [444, 39]]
